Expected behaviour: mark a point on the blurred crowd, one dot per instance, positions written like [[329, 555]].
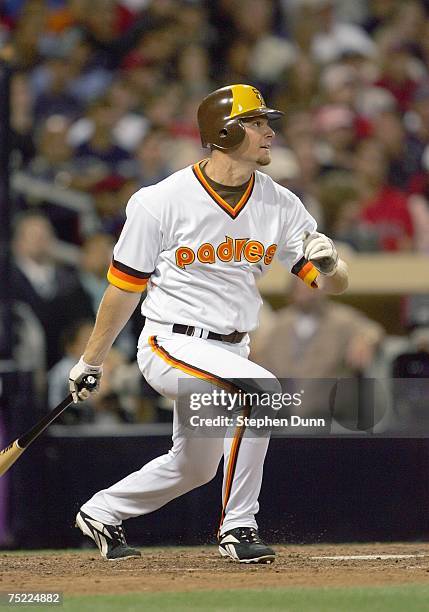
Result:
[[103, 101]]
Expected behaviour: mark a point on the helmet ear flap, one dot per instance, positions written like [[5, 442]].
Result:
[[230, 135]]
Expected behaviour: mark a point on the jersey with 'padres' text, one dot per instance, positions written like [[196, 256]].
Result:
[[199, 257]]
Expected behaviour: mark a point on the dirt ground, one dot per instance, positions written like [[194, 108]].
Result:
[[189, 569]]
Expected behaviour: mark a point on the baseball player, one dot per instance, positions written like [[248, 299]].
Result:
[[197, 242]]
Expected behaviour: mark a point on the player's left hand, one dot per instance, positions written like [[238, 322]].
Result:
[[77, 377], [321, 251]]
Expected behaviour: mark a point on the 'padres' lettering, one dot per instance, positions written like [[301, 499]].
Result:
[[206, 253], [184, 256], [235, 249], [225, 250], [269, 254], [254, 251], [239, 246]]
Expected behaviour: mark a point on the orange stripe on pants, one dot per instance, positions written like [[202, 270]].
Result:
[[238, 435], [232, 464]]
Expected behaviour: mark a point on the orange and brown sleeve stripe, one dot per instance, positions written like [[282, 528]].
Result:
[[127, 278], [306, 272]]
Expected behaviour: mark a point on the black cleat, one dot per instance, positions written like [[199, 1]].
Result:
[[244, 545], [110, 539]]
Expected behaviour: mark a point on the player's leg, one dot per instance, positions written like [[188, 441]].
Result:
[[244, 456], [190, 463], [242, 480]]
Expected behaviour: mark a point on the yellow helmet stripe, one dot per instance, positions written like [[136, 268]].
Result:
[[245, 98]]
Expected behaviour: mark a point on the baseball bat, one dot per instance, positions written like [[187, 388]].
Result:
[[11, 453]]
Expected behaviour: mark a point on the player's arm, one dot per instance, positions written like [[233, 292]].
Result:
[[136, 250], [322, 253], [338, 282], [115, 309]]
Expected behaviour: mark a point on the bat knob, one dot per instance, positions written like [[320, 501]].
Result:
[[89, 382]]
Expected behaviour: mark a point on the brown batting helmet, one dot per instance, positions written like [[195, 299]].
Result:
[[220, 112]]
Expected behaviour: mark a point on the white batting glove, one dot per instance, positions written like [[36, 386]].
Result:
[[76, 383], [321, 251]]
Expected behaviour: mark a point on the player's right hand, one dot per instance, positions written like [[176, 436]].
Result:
[[321, 251], [77, 387]]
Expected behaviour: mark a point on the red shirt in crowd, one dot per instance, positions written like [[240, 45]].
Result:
[[388, 212], [403, 92]]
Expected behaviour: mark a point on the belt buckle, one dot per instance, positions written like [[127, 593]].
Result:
[[190, 330]]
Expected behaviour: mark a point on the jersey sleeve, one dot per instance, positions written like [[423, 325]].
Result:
[[290, 251], [136, 252]]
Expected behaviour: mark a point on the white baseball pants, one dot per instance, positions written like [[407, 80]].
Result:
[[165, 357]]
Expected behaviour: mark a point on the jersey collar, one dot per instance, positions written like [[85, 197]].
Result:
[[232, 211]]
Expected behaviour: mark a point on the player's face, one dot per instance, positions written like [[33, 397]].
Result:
[[256, 146]]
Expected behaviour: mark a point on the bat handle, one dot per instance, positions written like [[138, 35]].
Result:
[[89, 382]]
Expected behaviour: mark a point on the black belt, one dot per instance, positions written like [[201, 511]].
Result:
[[234, 337]]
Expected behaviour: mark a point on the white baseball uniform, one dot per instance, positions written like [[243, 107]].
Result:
[[200, 258]]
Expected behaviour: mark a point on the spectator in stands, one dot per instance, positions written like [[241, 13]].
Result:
[[335, 125], [21, 120], [83, 300], [130, 123], [382, 206], [405, 24], [270, 54], [379, 15], [99, 149], [163, 106], [299, 91], [418, 132], [53, 159], [339, 83], [193, 70], [83, 79], [95, 256], [55, 98], [87, 81], [37, 278], [399, 75], [157, 46], [152, 158], [315, 338], [192, 23], [51, 177], [28, 31], [183, 125], [342, 85], [328, 38], [237, 65], [110, 198], [391, 134], [338, 196]]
